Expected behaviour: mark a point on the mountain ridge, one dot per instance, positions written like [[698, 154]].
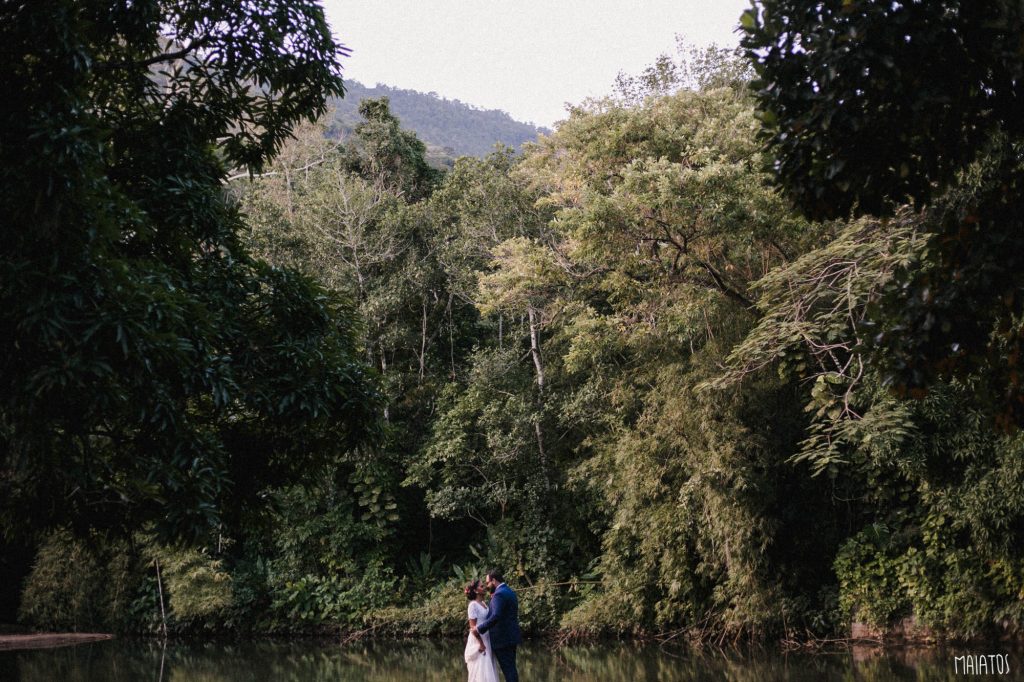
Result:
[[450, 127]]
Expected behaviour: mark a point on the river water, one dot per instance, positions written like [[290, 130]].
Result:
[[424, 661]]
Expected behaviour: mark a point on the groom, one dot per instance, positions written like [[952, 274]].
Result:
[[502, 621]]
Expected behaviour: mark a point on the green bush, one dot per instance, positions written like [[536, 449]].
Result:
[[870, 589], [196, 587], [959, 592], [441, 613], [614, 613], [341, 598], [77, 585]]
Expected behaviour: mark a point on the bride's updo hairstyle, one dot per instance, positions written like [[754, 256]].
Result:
[[472, 590]]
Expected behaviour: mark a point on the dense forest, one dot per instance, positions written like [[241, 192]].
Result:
[[449, 128], [733, 353]]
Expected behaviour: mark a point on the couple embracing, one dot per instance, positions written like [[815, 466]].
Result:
[[493, 630]]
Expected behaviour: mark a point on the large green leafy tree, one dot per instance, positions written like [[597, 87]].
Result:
[[669, 221], [152, 369], [911, 112], [870, 104], [926, 533]]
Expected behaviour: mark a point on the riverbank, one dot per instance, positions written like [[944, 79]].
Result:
[[46, 640]]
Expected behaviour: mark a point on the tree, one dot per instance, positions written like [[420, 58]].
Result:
[[659, 219], [392, 157], [155, 371], [867, 105], [930, 537], [692, 68], [489, 458], [356, 214]]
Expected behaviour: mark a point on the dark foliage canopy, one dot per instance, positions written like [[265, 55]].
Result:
[[153, 371], [869, 102], [868, 105]]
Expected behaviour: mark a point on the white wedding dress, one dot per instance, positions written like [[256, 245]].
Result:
[[482, 666]]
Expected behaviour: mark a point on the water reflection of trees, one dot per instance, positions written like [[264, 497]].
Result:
[[422, 661]]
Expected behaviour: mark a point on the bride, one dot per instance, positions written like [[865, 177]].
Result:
[[479, 659]]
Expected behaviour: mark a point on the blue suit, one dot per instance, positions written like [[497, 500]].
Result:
[[502, 621]]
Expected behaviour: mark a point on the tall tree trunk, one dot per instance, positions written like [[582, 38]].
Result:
[[423, 341], [540, 449], [160, 593], [539, 367], [451, 336], [383, 372], [535, 347]]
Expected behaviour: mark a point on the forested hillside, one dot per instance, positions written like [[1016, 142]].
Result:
[[694, 365], [454, 127]]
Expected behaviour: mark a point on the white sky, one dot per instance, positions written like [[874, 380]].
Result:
[[528, 57]]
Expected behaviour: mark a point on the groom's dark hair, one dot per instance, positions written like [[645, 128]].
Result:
[[496, 574]]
